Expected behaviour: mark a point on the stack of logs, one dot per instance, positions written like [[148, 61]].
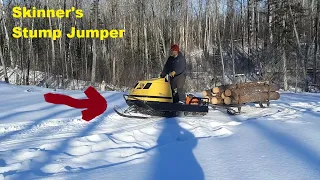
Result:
[[242, 93]]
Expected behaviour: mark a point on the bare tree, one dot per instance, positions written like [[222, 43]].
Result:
[[6, 79], [94, 48], [316, 41], [3, 22]]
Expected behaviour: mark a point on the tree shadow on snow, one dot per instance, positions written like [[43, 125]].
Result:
[[174, 158]]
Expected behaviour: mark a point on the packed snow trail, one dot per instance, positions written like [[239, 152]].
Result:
[[39, 140]]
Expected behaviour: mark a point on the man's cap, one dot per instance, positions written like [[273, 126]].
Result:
[[175, 47]]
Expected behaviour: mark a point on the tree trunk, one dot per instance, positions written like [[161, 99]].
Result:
[[52, 46], [296, 78], [316, 24], [221, 56], [249, 21], [164, 50], [86, 59], [6, 79], [242, 27], [94, 48], [205, 49], [146, 46], [113, 70], [199, 24], [231, 40], [256, 24], [94, 62], [3, 21], [220, 44], [284, 69], [29, 56], [270, 17], [131, 37], [299, 54], [208, 35], [284, 57], [186, 29]]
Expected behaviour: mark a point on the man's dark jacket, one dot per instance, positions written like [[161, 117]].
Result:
[[177, 64]]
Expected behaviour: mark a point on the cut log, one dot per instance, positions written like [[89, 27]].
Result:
[[209, 98], [209, 95], [256, 97], [273, 87], [219, 89], [206, 92], [222, 95], [227, 92], [218, 95], [247, 90], [242, 93], [227, 100], [216, 100], [264, 88]]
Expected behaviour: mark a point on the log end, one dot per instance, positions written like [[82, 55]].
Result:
[[215, 90], [227, 100], [216, 100], [227, 92], [204, 93]]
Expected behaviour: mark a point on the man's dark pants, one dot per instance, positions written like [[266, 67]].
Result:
[[177, 84]]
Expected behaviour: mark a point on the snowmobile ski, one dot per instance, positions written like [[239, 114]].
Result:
[[229, 108], [129, 115], [232, 112]]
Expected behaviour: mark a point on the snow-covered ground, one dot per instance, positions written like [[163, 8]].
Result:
[[39, 140]]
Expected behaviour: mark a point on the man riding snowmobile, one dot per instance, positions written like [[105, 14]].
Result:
[[176, 67], [156, 97]]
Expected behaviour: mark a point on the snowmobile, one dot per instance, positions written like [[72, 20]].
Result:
[[155, 97]]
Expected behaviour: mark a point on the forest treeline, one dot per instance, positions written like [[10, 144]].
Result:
[[275, 40]]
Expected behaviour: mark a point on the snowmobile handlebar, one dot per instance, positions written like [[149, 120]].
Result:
[[167, 77]]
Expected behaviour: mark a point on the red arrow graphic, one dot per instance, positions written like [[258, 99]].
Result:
[[95, 104]]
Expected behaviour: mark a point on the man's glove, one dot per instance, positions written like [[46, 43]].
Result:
[[172, 73]]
